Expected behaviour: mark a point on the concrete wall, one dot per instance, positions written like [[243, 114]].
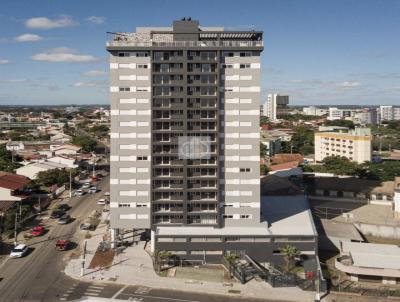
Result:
[[386, 231]]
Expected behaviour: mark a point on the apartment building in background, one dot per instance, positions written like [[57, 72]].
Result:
[[314, 111], [185, 139], [355, 145], [275, 105]]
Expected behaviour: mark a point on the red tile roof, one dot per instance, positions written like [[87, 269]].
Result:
[[285, 158], [284, 166], [13, 181]]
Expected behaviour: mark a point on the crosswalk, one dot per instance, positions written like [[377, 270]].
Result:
[[92, 290]]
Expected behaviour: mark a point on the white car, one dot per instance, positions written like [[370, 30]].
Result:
[[107, 194], [86, 185], [19, 251], [79, 192], [92, 190], [103, 201]]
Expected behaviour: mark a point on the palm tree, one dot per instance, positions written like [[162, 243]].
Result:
[[291, 252]]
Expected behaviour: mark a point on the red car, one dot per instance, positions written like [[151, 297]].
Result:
[[37, 231]]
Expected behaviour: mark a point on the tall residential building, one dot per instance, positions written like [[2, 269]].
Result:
[[385, 113], [185, 137], [276, 104], [354, 144], [369, 116]]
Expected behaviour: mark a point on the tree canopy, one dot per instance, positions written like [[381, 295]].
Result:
[[87, 143]]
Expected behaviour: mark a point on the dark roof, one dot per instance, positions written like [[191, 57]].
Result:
[[272, 185], [349, 184], [13, 181]]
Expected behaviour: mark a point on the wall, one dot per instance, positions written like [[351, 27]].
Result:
[[377, 230]]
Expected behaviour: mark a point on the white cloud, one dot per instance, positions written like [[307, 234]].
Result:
[[95, 73], [63, 54], [85, 84], [96, 19], [28, 38], [350, 84], [46, 23], [4, 61]]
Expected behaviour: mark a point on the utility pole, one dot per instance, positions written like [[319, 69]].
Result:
[[15, 229], [83, 258], [70, 183], [40, 206]]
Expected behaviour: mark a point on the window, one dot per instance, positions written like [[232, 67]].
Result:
[[243, 66], [245, 54], [227, 66], [142, 54], [141, 66], [123, 54], [142, 158], [245, 216], [228, 216], [245, 170], [124, 89]]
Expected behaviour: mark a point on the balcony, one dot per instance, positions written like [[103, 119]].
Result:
[[125, 42]]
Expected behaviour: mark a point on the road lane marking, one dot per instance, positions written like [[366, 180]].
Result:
[[119, 292], [93, 291], [91, 294], [96, 286], [160, 298], [63, 299]]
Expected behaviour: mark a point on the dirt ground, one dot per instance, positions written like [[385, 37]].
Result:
[[102, 259]]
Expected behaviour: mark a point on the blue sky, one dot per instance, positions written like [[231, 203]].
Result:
[[318, 52]]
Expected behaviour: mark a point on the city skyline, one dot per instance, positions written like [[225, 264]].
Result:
[[53, 53]]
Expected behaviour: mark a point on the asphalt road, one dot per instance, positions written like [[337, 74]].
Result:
[[28, 278]]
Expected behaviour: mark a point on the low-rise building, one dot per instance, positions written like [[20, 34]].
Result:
[[67, 161], [355, 145], [370, 262], [31, 170], [66, 149]]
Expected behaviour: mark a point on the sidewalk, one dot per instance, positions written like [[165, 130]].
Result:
[[134, 267]]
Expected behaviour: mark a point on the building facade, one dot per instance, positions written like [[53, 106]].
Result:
[[175, 90], [275, 105], [354, 145]]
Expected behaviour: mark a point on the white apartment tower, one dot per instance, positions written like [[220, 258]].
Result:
[[274, 103], [185, 136]]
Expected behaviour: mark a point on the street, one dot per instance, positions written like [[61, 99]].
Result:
[[30, 277]]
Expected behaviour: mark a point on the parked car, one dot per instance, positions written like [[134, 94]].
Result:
[[86, 227], [63, 207], [19, 251], [86, 185], [38, 231], [103, 201], [65, 219], [56, 214], [107, 194], [92, 190], [99, 175], [79, 192], [63, 244]]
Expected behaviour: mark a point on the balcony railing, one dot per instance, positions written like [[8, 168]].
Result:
[[186, 44]]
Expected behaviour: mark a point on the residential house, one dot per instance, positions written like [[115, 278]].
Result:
[[32, 170]]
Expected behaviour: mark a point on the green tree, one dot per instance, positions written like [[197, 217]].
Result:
[[264, 120], [340, 123], [263, 150], [264, 170], [55, 176], [290, 253], [6, 162], [87, 143]]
